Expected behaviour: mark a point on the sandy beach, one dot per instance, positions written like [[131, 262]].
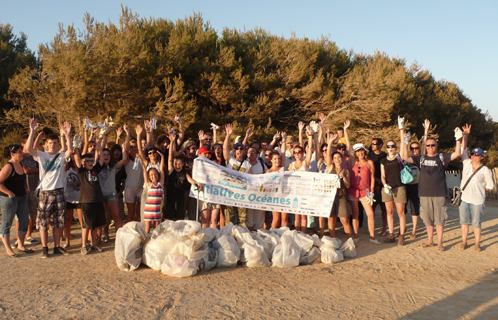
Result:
[[382, 282]]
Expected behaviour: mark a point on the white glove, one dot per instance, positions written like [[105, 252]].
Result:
[[177, 118], [401, 122], [215, 126], [109, 121], [458, 133], [370, 198], [76, 140], [387, 189], [88, 124], [314, 126]]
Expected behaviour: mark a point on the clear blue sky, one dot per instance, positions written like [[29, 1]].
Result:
[[455, 40]]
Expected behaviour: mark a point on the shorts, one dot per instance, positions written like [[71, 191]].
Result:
[[110, 197], [433, 211], [133, 195], [235, 215], [412, 196], [51, 202], [398, 195], [203, 205], [471, 214], [73, 205], [378, 201], [255, 219], [340, 208], [93, 215], [32, 205]]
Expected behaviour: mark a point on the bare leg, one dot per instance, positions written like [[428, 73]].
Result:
[[131, 211], [44, 238], [113, 207], [67, 231], [84, 236], [371, 218], [400, 207], [94, 237], [430, 234], [57, 237], [214, 218], [321, 222], [285, 219], [356, 221], [222, 219], [304, 223], [137, 211], [332, 221], [31, 225], [276, 220], [414, 222], [390, 216], [267, 220], [440, 231], [147, 226], [205, 218], [347, 227], [6, 244], [297, 222]]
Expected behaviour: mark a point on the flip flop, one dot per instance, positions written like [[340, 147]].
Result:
[[413, 236], [425, 245], [13, 255], [26, 250]]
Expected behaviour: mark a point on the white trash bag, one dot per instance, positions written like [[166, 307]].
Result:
[[129, 245], [255, 255], [310, 257], [316, 241], [348, 248], [330, 255], [332, 242], [228, 251], [287, 253], [178, 266], [209, 261], [157, 249], [304, 241]]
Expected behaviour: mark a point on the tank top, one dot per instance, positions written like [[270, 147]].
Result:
[[152, 208], [15, 182], [304, 167], [360, 179]]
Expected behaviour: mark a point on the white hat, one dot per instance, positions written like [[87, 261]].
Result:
[[359, 146]]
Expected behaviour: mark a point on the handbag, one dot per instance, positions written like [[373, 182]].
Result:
[[49, 167], [405, 172], [456, 193]]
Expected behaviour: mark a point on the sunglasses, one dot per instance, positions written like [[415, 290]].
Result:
[[341, 148], [389, 146], [324, 150], [430, 145], [252, 152], [239, 148], [414, 148], [192, 148], [376, 144], [297, 152], [152, 152], [208, 139]]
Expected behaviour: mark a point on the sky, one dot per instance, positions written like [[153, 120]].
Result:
[[455, 40]]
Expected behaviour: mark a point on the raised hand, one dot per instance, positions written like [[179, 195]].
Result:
[[172, 136], [401, 123], [249, 132], [347, 124], [148, 125], [333, 137], [139, 130], [119, 131], [327, 129], [33, 124], [201, 135], [229, 129], [277, 135], [300, 125], [126, 129], [309, 131], [466, 129], [426, 124], [94, 130], [458, 133], [322, 118], [66, 129]]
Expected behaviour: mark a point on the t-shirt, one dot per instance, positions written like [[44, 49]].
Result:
[[432, 181], [392, 173], [32, 179], [72, 193], [107, 179], [55, 177], [90, 186], [259, 167], [234, 165], [376, 158], [475, 192], [134, 177]]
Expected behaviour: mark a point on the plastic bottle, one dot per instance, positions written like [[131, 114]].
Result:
[[135, 163]]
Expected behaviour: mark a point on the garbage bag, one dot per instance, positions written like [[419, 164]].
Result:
[[287, 253], [210, 260], [209, 234], [254, 255], [186, 227], [271, 239], [178, 266], [262, 243], [228, 251], [129, 245], [187, 248], [316, 241], [279, 231], [330, 255], [348, 248], [226, 230], [332, 242], [310, 257], [156, 249], [304, 241]]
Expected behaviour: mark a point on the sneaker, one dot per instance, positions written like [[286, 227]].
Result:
[[44, 253], [59, 250], [390, 239], [13, 246], [85, 250], [66, 246], [106, 238], [97, 248], [375, 241], [30, 240]]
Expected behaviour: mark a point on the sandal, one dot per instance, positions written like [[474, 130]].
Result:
[[390, 239], [25, 250], [13, 255], [413, 236], [463, 246], [425, 245], [401, 240]]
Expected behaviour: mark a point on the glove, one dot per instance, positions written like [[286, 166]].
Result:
[[458, 133], [215, 126], [314, 126], [401, 122], [154, 123], [177, 118], [387, 189], [370, 198], [88, 124], [76, 141]]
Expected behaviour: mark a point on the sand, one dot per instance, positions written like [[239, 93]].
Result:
[[382, 282]]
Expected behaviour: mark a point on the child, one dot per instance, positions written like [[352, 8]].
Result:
[[91, 198], [154, 181], [278, 164], [72, 190], [178, 182]]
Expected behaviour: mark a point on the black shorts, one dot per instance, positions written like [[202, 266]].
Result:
[[93, 215], [72, 206]]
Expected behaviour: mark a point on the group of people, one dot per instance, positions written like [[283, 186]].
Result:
[[48, 176]]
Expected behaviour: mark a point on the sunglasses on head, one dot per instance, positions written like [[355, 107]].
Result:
[[389, 146], [430, 145], [14, 147]]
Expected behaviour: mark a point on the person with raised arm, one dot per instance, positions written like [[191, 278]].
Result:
[[476, 180], [362, 184], [432, 184], [280, 219], [135, 178], [52, 202], [209, 211], [333, 161], [154, 185], [237, 163]]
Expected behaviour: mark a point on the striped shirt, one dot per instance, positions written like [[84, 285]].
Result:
[[152, 210]]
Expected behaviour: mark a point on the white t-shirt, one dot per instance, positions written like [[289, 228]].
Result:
[[234, 165], [55, 178], [134, 177], [475, 192], [73, 193], [258, 168]]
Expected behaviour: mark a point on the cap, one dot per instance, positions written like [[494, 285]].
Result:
[[341, 146], [359, 146], [204, 149], [238, 139], [477, 151], [187, 144], [238, 144]]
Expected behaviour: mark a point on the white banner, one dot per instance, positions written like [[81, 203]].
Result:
[[299, 192]]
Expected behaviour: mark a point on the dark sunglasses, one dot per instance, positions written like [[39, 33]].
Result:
[[376, 144], [414, 148], [152, 152], [192, 148], [389, 146], [297, 152], [208, 139], [430, 145], [341, 149], [239, 148]]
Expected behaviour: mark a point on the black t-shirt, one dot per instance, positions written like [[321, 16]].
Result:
[[432, 179], [376, 158], [120, 176], [392, 172], [90, 190]]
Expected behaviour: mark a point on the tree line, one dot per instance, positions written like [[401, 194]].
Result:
[[142, 67]]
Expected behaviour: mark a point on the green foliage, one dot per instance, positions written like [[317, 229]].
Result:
[[144, 67]]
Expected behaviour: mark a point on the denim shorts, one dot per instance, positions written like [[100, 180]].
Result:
[[471, 214], [11, 207], [110, 197]]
